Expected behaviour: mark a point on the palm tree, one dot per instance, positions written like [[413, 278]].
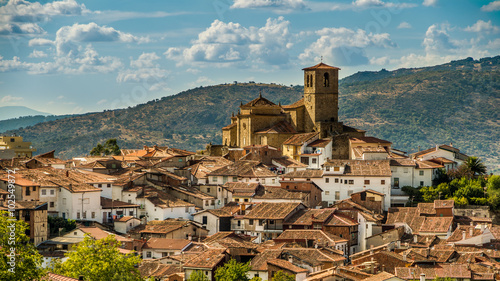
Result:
[[475, 165]]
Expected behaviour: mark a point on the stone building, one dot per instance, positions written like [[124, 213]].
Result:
[[262, 122]]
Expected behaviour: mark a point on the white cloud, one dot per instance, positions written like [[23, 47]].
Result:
[[38, 54], [437, 38], [430, 3], [365, 4], [278, 5], [229, 43], [40, 42], [145, 70], [344, 46], [67, 36], [10, 99], [491, 7], [380, 61], [60, 97], [482, 26], [403, 25], [102, 102], [21, 17], [193, 70]]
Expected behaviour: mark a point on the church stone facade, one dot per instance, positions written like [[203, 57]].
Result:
[[262, 122]]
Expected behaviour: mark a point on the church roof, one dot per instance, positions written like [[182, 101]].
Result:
[[296, 104], [260, 101], [299, 139], [320, 66], [282, 127]]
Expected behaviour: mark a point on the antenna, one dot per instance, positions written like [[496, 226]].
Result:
[[321, 58]]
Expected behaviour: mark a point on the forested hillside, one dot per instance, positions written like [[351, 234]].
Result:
[[458, 102]]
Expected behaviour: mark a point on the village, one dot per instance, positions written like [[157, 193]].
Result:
[[291, 189]]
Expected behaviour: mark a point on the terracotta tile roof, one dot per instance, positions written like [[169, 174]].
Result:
[[241, 186], [207, 259], [289, 162], [368, 140], [107, 203], [320, 65], [382, 276], [206, 165], [282, 127], [23, 205], [362, 167], [347, 129], [425, 241], [272, 211], [426, 208], [433, 271], [320, 143], [403, 162], [56, 277], [149, 268], [244, 168], [231, 242], [427, 151], [304, 174], [98, 233], [166, 244], [444, 203], [299, 139], [270, 192], [314, 257], [163, 199], [125, 219], [259, 262], [428, 165], [436, 224], [442, 161], [260, 101], [296, 104], [308, 216], [424, 254], [339, 220], [319, 236], [286, 265], [161, 227], [457, 235]]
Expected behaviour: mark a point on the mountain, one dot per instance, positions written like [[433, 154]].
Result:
[[458, 102], [8, 112], [19, 123]]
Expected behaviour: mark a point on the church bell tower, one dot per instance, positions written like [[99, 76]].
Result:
[[321, 96]]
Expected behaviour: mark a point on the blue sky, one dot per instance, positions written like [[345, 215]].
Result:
[[71, 56]]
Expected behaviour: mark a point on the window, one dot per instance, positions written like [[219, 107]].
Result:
[[148, 254], [108, 185], [214, 179], [187, 210], [382, 181], [367, 181], [313, 160], [351, 181], [250, 222], [327, 180], [337, 180], [51, 204], [99, 185], [85, 214], [236, 200], [28, 191], [421, 183], [273, 180], [246, 200], [239, 223], [208, 189], [396, 182], [78, 215], [131, 213], [52, 192], [345, 181], [271, 221], [204, 219], [337, 195], [327, 192], [130, 201], [287, 187], [327, 168], [224, 179], [206, 203], [263, 181], [44, 192], [326, 80], [336, 169], [34, 188], [261, 222], [93, 215], [421, 173], [235, 179]]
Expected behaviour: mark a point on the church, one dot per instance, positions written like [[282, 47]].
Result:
[[262, 122]]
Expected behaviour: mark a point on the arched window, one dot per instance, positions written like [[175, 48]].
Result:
[[311, 80], [307, 81], [326, 80]]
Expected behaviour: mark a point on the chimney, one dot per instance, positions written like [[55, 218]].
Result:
[[463, 235], [398, 244], [437, 147], [404, 256], [371, 249], [422, 277], [415, 238], [471, 231], [290, 259], [190, 237]]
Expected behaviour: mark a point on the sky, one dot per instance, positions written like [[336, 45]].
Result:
[[69, 57]]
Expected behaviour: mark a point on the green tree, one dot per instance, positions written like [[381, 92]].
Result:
[[440, 177], [110, 147], [281, 276], [99, 260], [197, 275], [19, 259], [493, 189], [55, 223], [234, 271], [475, 166]]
